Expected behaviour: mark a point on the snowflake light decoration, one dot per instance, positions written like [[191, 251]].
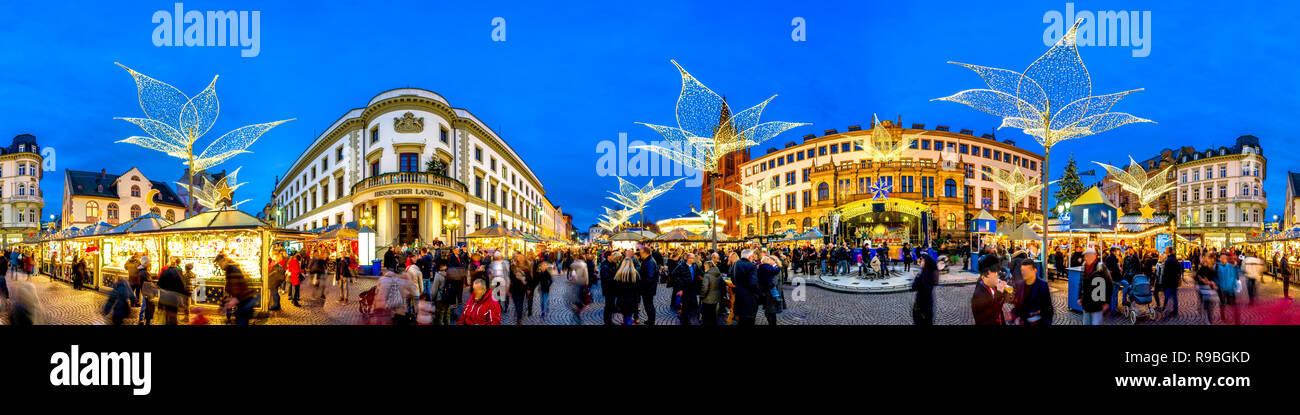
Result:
[[880, 190], [1135, 179], [218, 195], [635, 198]]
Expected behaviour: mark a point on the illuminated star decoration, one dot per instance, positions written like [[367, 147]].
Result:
[[1135, 179], [1051, 101], [880, 190], [707, 129], [176, 121], [216, 195], [612, 219], [883, 145]]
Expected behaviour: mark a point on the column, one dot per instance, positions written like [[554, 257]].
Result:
[[384, 223], [435, 220]]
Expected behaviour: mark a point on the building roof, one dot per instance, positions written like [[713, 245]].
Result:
[[28, 139], [1294, 182], [86, 183]]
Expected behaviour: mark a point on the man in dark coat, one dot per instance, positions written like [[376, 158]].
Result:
[[609, 287], [744, 275], [1171, 277], [687, 278], [990, 294], [648, 284]]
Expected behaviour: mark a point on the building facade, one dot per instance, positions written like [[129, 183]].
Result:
[[413, 168], [939, 184], [1292, 201], [21, 197], [1220, 194], [93, 197]]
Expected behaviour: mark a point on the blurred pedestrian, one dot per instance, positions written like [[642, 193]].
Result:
[[481, 309], [923, 305]]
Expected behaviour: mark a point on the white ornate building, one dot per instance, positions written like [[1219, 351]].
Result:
[[1220, 195], [21, 198], [372, 166]]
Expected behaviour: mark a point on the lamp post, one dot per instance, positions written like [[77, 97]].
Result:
[[450, 223]]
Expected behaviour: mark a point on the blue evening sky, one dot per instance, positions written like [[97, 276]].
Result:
[[572, 74]]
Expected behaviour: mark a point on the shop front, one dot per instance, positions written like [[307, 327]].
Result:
[[409, 207]]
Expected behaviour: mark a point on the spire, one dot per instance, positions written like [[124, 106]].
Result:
[[724, 119]]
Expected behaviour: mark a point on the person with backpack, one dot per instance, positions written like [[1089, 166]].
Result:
[[391, 295]]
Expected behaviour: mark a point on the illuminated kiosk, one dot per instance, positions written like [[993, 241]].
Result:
[[983, 225], [497, 238], [629, 239], [244, 239], [1090, 213], [134, 236]]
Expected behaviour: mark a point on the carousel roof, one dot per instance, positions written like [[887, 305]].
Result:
[[218, 219], [677, 235], [633, 235], [145, 223]]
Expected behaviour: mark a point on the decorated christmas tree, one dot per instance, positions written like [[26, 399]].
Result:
[[1070, 186]]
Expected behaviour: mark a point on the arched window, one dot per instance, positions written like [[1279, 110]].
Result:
[[92, 210], [112, 211], [750, 230], [156, 211], [823, 191], [807, 223], [171, 215], [950, 188], [776, 225], [789, 224], [135, 211], [135, 191], [952, 220], [22, 189]]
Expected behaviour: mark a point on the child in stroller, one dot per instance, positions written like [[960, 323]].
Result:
[[1139, 296]]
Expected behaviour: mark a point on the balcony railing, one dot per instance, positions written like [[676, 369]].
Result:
[[433, 179], [871, 165]]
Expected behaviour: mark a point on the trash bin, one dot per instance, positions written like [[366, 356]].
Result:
[[377, 267]]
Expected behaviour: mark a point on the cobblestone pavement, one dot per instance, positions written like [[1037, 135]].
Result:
[[63, 305]]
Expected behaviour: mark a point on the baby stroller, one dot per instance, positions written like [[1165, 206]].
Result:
[[1139, 298]]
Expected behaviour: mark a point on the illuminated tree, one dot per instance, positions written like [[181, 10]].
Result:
[[1051, 101], [176, 121], [707, 130], [1135, 179]]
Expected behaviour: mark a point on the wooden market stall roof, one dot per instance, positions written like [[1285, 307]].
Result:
[[677, 235], [145, 223], [218, 219]]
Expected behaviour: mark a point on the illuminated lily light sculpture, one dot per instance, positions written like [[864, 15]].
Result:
[[708, 215], [1051, 100], [707, 130], [176, 121], [218, 195], [1134, 179], [635, 199], [755, 197], [882, 145], [613, 219], [1017, 187]]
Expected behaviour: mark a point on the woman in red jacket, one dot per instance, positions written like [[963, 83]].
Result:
[[482, 309], [295, 278]]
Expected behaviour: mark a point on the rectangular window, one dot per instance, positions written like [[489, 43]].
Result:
[[811, 153], [925, 144], [789, 179], [780, 161], [410, 162], [821, 150], [798, 156], [997, 155], [442, 135], [835, 149], [964, 149], [374, 169], [986, 153], [844, 147], [478, 154], [789, 158], [478, 187], [338, 154], [807, 172], [374, 135], [492, 163], [906, 184], [339, 185]]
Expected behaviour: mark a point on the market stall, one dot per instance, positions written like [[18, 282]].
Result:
[[134, 237], [244, 239], [495, 238]]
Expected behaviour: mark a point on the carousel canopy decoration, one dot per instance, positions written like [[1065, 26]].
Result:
[[677, 235]]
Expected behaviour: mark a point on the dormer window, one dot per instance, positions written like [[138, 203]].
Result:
[[22, 148]]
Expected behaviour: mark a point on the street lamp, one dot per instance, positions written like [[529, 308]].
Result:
[[450, 223]]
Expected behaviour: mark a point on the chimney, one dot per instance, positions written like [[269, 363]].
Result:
[[967, 132], [831, 131], [855, 128], [103, 173], [918, 126], [941, 128]]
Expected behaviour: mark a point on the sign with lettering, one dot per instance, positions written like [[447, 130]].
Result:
[[408, 192]]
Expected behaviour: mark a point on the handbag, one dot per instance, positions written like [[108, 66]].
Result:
[[170, 299]]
